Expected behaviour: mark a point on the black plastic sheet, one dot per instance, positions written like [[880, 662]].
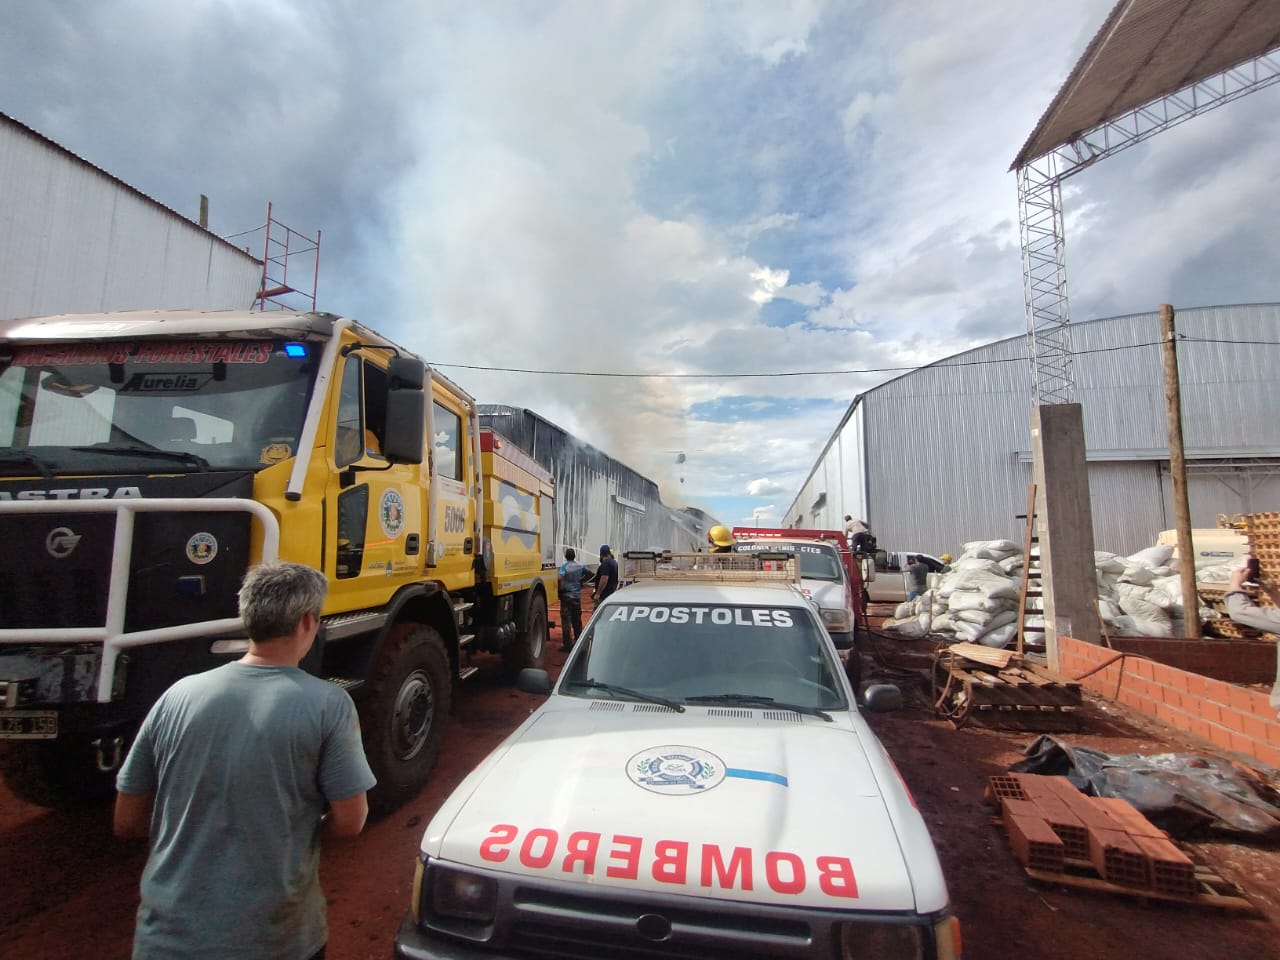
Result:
[[1182, 793]]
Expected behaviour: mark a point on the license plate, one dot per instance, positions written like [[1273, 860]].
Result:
[[28, 724]]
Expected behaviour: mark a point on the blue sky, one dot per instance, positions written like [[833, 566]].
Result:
[[666, 187]]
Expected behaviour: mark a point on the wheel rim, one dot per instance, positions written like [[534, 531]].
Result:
[[414, 712], [538, 629]]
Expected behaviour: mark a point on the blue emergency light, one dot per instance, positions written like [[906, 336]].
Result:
[[295, 350]]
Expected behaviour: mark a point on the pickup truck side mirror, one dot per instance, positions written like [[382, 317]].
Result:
[[882, 698], [533, 680]]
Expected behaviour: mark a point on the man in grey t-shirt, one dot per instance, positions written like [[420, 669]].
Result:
[[230, 777]]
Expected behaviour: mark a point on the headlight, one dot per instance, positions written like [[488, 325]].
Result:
[[464, 896], [837, 620], [899, 941]]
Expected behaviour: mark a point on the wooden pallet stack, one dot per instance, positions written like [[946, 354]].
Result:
[[1222, 626], [1062, 836], [973, 683], [1262, 532]]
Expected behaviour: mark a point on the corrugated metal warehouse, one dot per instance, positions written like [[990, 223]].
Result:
[[74, 239], [598, 499], [942, 455]]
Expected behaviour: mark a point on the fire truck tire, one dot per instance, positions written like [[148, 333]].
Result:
[[529, 649], [403, 718], [55, 774]]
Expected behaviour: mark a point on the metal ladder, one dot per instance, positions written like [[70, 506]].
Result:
[[460, 607]]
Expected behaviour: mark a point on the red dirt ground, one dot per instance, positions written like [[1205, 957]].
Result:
[[68, 889]]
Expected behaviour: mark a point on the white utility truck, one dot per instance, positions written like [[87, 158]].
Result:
[[699, 783]]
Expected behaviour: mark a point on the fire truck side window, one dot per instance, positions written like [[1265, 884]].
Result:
[[447, 456], [362, 412], [375, 409], [347, 441]]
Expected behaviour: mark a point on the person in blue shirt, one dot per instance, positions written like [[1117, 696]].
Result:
[[572, 575]]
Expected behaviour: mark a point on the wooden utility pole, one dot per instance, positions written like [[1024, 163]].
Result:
[[1178, 474]]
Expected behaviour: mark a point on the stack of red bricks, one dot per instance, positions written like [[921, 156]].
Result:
[[1052, 826]]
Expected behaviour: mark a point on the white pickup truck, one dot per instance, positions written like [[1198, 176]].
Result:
[[699, 783], [890, 584]]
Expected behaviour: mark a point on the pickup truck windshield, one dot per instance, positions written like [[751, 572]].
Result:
[[817, 561], [700, 653], [180, 405]]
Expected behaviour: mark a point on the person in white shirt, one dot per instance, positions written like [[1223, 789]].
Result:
[[858, 534]]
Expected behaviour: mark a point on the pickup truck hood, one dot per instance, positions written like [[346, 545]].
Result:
[[727, 804], [825, 594]]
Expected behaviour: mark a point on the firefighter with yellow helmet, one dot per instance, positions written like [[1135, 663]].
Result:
[[720, 538]]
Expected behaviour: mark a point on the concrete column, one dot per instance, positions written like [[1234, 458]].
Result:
[[1064, 521]]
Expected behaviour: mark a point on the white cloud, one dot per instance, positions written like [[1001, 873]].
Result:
[[765, 487], [768, 283], [771, 31]]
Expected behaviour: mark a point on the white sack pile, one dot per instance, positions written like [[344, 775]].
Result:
[[977, 600]]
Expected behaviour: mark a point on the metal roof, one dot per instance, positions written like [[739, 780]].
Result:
[[1148, 49]]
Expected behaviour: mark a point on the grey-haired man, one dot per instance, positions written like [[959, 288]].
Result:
[[232, 776]]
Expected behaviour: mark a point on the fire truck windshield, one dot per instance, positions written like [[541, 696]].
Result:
[[211, 404]]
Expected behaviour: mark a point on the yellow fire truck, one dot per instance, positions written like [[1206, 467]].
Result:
[[148, 459]]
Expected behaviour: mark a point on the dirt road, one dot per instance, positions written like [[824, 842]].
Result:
[[69, 890]]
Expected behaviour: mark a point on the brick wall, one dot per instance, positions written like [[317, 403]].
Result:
[[1235, 661], [1233, 718]]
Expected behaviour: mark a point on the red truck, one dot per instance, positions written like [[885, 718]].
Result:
[[830, 577]]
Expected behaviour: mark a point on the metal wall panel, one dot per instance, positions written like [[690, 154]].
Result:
[[74, 239], [1214, 489], [943, 464], [946, 448], [1228, 386], [1128, 510], [598, 499], [836, 486]]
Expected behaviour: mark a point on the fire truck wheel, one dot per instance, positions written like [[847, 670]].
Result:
[[403, 717], [529, 648], [55, 774]]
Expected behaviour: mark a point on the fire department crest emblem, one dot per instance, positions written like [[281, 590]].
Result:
[[676, 770], [202, 548], [391, 513]]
